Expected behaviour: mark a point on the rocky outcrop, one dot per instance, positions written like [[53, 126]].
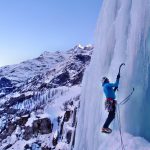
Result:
[[67, 116], [6, 86], [33, 146], [11, 127], [40, 126], [28, 133], [61, 79], [4, 82], [23, 120], [7, 131], [55, 141], [7, 146], [83, 58], [68, 136], [46, 148], [19, 99], [77, 79]]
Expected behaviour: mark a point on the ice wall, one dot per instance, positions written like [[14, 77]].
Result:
[[122, 35]]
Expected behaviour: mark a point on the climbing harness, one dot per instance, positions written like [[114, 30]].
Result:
[[109, 102]]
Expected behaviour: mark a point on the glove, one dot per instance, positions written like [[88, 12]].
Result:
[[118, 76]]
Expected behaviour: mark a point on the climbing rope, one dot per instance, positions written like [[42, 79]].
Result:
[[119, 125], [118, 117]]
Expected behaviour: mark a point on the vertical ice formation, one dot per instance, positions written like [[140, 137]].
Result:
[[122, 35]]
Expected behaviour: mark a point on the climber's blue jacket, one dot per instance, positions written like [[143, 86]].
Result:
[[109, 89]]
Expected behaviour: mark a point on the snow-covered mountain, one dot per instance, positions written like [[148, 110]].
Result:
[[39, 99]]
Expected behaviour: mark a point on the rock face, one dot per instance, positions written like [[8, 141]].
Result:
[[68, 136], [40, 126], [7, 131], [39, 100], [6, 86]]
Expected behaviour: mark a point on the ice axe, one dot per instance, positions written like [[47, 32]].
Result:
[[123, 64]]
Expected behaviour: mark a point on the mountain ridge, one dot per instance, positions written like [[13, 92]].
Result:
[[42, 99]]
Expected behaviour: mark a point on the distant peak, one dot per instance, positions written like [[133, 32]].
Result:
[[79, 46], [45, 53], [89, 47]]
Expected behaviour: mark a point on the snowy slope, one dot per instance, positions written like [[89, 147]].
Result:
[[46, 61], [39, 109], [130, 142]]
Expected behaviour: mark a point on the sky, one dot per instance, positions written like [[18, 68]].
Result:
[[30, 27]]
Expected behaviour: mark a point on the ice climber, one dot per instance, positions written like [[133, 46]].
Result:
[[110, 102]]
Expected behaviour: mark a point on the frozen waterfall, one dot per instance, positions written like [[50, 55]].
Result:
[[122, 35]]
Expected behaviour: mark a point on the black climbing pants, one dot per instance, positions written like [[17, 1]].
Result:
[[111, 115]]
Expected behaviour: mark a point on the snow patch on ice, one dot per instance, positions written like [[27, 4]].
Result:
[[112, 141]]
